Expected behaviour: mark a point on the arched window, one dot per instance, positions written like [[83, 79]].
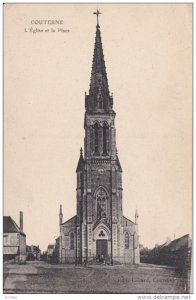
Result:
[[96, 127], [126, 240], [71, 241], [105, 133], [101, 204]]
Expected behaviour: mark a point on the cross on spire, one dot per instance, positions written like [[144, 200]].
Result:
[[97, 13]]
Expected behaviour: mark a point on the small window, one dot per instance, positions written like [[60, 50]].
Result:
[[71, 241], [126, 240]]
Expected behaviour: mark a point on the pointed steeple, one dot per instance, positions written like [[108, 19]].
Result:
[[80, 162], [99, 98], [98, 74]]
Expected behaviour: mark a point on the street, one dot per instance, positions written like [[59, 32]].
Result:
[[42, 277]]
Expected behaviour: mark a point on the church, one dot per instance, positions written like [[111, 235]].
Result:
[[99, 233]]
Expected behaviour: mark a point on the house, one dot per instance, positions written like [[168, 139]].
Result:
[[50, 252], [14, 240], [33, 252]]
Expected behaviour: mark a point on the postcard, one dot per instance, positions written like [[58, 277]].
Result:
[[97, 148]]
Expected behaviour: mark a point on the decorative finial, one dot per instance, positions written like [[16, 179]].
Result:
[[136, 216], [81, 151], [97, 13]]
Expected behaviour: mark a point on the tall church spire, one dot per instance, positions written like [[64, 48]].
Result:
[[99, 98], [98, 74]]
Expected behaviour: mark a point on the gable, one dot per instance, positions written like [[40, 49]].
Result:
[[10, 226], [70, 222], [127, 222]]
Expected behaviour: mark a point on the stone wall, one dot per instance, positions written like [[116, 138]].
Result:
[[67, 250]]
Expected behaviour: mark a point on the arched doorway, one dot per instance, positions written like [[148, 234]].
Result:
[[102, 238]]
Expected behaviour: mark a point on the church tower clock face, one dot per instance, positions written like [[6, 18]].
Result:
[[100, 171]]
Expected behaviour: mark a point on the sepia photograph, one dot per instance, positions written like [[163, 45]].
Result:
[[97, 108]]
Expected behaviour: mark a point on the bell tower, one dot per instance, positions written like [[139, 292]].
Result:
[[99, 231]]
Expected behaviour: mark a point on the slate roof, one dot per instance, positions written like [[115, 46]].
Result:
[[80, 165], [73, 219], [177, 244], [126, 219], [10, 226]]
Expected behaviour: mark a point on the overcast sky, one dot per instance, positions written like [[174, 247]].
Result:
[[147, 49]]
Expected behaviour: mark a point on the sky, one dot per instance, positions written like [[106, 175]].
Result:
[[148, 55]]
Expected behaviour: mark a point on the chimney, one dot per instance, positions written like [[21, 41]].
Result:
[[21, 221], [60, 216]]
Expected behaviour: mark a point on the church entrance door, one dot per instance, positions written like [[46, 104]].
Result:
[[101, 250]]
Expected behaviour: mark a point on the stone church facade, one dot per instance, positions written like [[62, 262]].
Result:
[[99, 232]]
